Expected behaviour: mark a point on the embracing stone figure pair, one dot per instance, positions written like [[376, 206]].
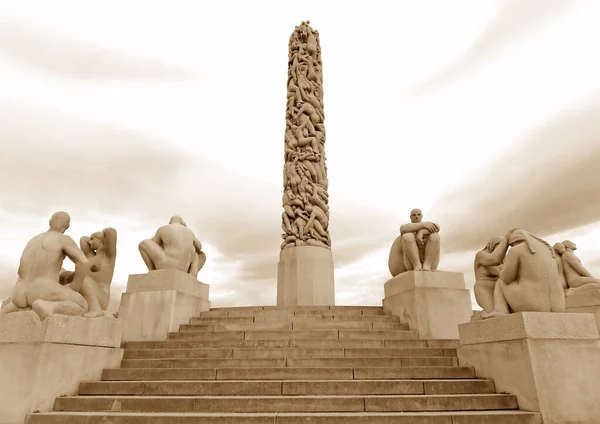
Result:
[[46, 288], [531, 276]]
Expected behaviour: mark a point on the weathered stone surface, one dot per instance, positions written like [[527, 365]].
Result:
[[411, 279], [42, 360], [305, 276], [431, 303], [530, 325], [26, 327], [167, 279], [549, 361], [456, 417], [587, 301], [159, 302], [585, 298], [344, 371], [288, 403]]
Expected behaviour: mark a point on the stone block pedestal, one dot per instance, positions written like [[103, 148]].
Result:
[[550, 361], [587, 301], [430, 302], [158, 302], [305, 277], [43, 360]]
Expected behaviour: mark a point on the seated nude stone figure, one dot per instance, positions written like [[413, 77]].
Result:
[[417, 248], [487, 266], [577, 277], [174, 246], [101, 251], [38, 286], [529, 280]]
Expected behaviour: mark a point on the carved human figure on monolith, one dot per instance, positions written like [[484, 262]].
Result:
[[487, 267], [577, 277], [174, 246], [38, 285], [101, 251], [417, 248], [529, 280]]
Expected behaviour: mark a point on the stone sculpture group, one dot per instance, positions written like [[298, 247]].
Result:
[[305, 219], [531, 276], [519, 272], [515, 273], [46, 288]]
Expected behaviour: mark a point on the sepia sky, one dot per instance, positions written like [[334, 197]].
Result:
[[485, 114]]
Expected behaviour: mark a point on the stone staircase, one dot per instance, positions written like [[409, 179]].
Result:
[[287, 365]]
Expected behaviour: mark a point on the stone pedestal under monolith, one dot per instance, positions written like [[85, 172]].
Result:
[[43, 360], [157, 303], [587, 301], [550, 361], [305, 276], [433, 303]]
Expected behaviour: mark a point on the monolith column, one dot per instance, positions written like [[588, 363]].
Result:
[[305, 270]]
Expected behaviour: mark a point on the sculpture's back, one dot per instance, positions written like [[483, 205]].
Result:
[[536, 286]]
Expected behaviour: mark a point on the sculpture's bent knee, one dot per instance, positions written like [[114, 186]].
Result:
[[434, 237], [408, 237]]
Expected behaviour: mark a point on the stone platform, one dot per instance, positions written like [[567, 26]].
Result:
[[432, 303], [550, 361], [158, 302], [289, 365], [305, 276], [585, 302], [41, 360]]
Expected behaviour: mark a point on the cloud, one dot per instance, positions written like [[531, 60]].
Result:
[[593, 267], [47, 159], [512, 22], [547, 185], [66, 57], [133, 182]]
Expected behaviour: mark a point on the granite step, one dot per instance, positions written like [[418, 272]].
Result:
[[208, 319], [450, 417], [389, 403], [289, 326], [251, 353], [327, 384], [293, 334], [295, 311], [289, 365], [272, 362], [282, 343], [360, 373]]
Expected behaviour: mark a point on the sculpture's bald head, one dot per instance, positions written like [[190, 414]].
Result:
[[60, 221], [569, 245], [176, 219], [493, 243], [416, 215], [559, 248]]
